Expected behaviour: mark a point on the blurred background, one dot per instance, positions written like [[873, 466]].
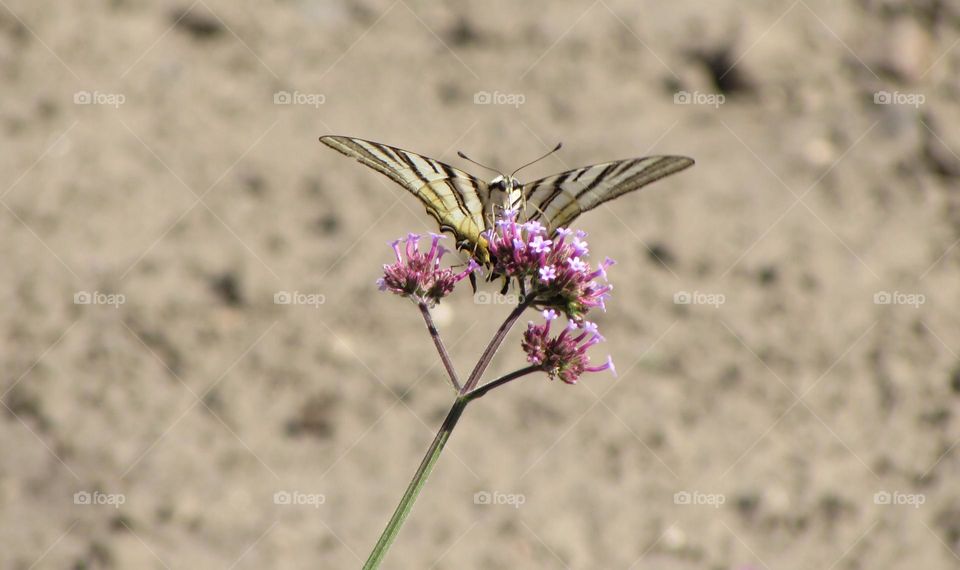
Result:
[[784, 319]]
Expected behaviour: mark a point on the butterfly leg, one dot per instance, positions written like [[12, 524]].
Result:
[[541, 212]]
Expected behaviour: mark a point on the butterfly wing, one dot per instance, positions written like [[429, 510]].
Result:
[[557, 200], [452, 197]]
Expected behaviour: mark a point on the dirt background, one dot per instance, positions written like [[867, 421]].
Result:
[[184, 188]]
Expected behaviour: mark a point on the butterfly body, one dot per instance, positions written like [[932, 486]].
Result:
[[465, 206], [506, 191]]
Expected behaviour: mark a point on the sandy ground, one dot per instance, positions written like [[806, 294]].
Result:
[[807, 423]]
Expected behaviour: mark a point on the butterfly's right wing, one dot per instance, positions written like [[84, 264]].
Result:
[[452, 197], [557, 200]]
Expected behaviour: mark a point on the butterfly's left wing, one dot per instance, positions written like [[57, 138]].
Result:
[[557, 200], [453, 198]]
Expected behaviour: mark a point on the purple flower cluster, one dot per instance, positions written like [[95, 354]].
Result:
[[552, 270], [564, 356], [420, 276], [559, 275]]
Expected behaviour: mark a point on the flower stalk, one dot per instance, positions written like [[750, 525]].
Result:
[[429, 460], [438, 342], [494, 345], [416, 484]]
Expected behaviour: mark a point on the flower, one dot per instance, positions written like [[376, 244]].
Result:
[[576, 264], [547, 273], [556, 269], [580, 247], [420, 276], [540, 245], [564, 356]]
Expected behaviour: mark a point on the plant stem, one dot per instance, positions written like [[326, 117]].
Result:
[[466, 394], [416, 484], [495, 342], [479, 392], [435, 335]]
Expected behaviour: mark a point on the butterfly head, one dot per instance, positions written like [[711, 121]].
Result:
[[504, 184]]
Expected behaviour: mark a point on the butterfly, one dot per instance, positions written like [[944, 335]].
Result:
[[466, 206]]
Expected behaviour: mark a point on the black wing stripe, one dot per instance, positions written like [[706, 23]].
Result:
[[624, 166], [557, 185], [580, 173], [364, 150], [457, 192], [413, 168], [390, 152], [426, 190], [422, 164], [377, 151], [433, 164], [476, 191], [366, 155], [530, 192], [598, 179]]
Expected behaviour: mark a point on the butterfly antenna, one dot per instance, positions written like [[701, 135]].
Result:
[[468, 159], [555, 149]]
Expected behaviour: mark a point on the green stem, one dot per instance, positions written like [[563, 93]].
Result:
[[467, 392], [494, 345], [479, 392], [438, 342], [416, 484]]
